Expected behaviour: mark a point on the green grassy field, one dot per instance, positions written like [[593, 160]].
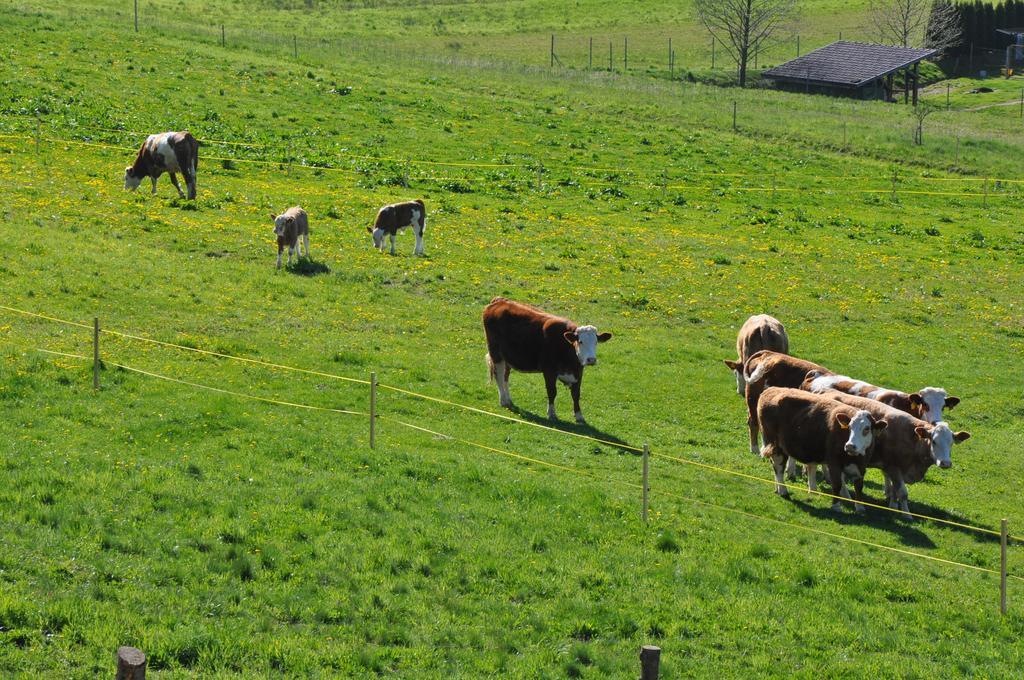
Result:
[[228, 537]]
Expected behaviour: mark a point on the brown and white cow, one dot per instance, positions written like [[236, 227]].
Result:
[[772, 369], [812, 428], [926, 404], [288, 227], [759, 332], [397, 216], [527, 339], [907, 448], [168, 152]]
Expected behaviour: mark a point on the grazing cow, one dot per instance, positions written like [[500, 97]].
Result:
[[397, 216], [757, 333], [168, 152], [288, 227], [772, 369], [527, 339], [812, 428], [906, 450], [926, 404]]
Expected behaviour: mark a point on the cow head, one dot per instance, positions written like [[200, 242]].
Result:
[[378, 237], [940, 440], [131, 180], [737, 368], [929, 403], [584, 339], [281, 224], [863, 429]]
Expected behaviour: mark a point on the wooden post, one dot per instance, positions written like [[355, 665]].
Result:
[[646, 489], [39, 124], [734, 116], [670, 57], [798, 45], [223, 37], [1002, 567], [590, 61], [295, 45], [625, 53], [947, 96], [131, 664], [712, 53], [136, 16], [552, 50], [96, 353], [373, 410], [609, 56], [650, 662]]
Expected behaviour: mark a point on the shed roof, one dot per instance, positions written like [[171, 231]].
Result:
[[848, 64]]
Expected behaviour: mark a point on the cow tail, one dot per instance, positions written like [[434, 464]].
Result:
[[490, 368], [755, 376]]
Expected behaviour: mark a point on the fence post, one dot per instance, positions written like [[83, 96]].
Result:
[[609, 56], [136, 16], [625, 53], [798, 45], [947, 96], [670, 54], [38, 125], [96, 353], [734, 116], [552, 50], [1002, 567], [590, 62], [646, 489], [295, 45], [373, 410], [131, 664], [712, 53], [650, 662], [223, 37]]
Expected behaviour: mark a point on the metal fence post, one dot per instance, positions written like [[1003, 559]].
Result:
[[646, 486], [1002, 566], [373, 410], [96, 353]]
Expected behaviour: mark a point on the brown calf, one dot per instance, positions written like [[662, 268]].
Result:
[[527, 339], [397, 216], [811, 429], [288, 227], [772, 369], [757, 333]]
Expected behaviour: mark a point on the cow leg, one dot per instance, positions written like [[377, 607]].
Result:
[[501, 373], [152, 178], [291, 249], [574, 389], [393, 245], [752, 424], [852, 473], [812, 477], [835, 476], [551, 384], [280, 248], [190, 183], [305, 242], [174, 181], [903, 497], [779, 465], [418, 231]]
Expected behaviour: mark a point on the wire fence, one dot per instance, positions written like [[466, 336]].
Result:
[[898, 185], [375, 416]]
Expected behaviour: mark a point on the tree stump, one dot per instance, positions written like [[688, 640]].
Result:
[[131, 664]]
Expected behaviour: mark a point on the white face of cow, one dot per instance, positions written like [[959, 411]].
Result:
[[280, 222], [931, 401], [378, 238], [863, 429], [941, 439], [131, 182], [585, 341]]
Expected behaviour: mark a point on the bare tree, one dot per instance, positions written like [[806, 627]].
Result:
[[929, 23], [744, 27]]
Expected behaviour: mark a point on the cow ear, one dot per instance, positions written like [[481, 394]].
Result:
[[604, 337], [571, 337], [273, 216], [952, 401], [734, 365], [922, 433], [961, 436], [369, 230], [916, 399], [844, 420], [881, 425]]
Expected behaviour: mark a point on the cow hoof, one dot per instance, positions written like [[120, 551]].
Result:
[[836, 507], [506, 404], [783, 493], [909, 518], [580, 420], [859, 509]]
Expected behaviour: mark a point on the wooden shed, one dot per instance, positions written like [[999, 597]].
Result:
[[853, 69]]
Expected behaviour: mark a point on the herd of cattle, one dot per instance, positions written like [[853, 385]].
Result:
[[804, 412], [173, 152]]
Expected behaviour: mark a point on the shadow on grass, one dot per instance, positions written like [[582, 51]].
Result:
[[819, 507], [304, 266], [575, 428]]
